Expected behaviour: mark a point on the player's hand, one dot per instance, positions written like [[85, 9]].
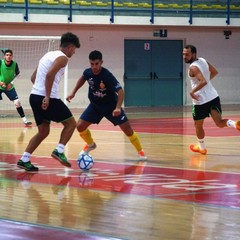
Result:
[[45, 103], [69, 97], [116, 112], [194, 96], [9, 86], [2, 84]]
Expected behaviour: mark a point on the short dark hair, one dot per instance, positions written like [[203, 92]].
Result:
[[95, 55], [193, 48], [69, 38], [8, 51]]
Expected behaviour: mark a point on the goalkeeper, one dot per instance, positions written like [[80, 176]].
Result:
[[9, 71]]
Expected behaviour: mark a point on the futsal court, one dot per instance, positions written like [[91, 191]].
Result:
[[176, 194]]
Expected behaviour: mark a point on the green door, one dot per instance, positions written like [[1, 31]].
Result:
[[138, 73], [153, 72]]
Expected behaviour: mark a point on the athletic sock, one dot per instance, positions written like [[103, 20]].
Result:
[[26, 157], [24, 119], [201, 144], [60, 148], [20, 112], [86, 136], [134, 139]]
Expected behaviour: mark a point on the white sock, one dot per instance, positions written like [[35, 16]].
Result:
[[231, 123], [26, 157], [60, 148], [24, 119], [201, 144]]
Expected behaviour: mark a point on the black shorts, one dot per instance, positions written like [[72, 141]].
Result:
[[94, 114], [202, 111], [57, 111]]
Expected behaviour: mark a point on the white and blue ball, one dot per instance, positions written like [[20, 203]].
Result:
[[85, 162]]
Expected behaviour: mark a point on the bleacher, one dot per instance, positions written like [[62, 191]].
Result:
[[215, 4], [164, 4], [213, 8]]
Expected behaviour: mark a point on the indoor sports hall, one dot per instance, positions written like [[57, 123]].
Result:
[[176, 193]]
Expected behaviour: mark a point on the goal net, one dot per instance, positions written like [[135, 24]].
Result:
[[27, 51]]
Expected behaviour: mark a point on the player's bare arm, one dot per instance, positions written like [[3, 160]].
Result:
[[195, 72], [78, 85], [213, 71], [117, 110], [15, 78], [33, 77]]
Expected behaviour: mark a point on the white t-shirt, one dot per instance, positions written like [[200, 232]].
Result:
[[208, 92], [44, 65]]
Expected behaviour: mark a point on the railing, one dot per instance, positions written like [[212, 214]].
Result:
[[152, 8]]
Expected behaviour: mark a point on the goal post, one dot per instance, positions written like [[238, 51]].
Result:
[[27, 51]]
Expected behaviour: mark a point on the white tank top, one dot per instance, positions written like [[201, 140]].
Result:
[[44, 65], [208, 92]]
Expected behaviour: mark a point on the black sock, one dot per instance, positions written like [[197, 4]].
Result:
[[20, 112]]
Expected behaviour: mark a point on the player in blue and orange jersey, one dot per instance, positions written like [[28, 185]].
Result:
[[106, 98]]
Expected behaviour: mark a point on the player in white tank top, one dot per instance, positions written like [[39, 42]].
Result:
[[204, 96], [208, 92], [44, 65], [46, 104]]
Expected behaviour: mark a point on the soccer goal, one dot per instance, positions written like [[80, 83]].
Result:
[[27, 51]]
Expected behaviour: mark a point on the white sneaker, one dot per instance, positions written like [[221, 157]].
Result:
[[28, 124]]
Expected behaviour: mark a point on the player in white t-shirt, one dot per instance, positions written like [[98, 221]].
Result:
[[204, 96], [46, 104]]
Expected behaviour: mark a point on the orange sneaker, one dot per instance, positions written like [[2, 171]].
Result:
[[238, 125], [142, 155], [88, 148], [195, 148]]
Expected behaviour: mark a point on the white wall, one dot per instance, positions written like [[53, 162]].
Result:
[[210, 41]]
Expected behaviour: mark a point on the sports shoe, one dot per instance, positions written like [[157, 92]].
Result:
[[142, 155], [27, 166], [195, 148], [28, 124], [61, 158], [238, 125], [88, 148]]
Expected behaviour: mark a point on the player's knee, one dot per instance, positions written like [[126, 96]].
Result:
[[44, 134], [73, 124], [17, 103], [70, 124], [80, 127], [43, 130]]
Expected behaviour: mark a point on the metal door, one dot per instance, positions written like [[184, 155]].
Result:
[[153, 72]]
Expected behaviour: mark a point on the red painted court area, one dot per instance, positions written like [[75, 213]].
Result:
[[203, 187], [182, 126]]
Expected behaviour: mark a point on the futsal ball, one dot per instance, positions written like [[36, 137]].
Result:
[[85, 162]]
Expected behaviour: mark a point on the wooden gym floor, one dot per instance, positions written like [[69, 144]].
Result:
[[176, 194]]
